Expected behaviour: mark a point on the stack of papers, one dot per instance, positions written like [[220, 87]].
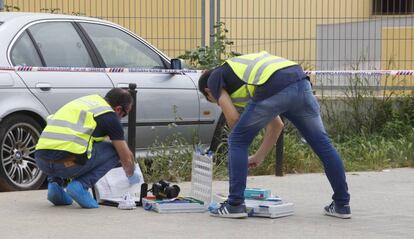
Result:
[[272, 207], [174, 205]]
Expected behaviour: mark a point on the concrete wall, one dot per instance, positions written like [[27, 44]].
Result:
[[370, 42], [368, 45]]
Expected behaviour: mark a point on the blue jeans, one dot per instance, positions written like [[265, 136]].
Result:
[[298, 104], [104, 158]]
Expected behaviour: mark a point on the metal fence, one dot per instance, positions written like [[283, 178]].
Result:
[[330, 35], [171, 25], [319, 34], [324, 34], [336, 35]]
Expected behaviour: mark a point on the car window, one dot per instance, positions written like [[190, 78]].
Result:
[[119, 49], [60, 45], [24, 52]]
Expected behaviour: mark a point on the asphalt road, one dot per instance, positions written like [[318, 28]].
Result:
[[382, 205]]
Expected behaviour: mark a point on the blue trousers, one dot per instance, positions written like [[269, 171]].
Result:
[[104, 158], [298, 104]]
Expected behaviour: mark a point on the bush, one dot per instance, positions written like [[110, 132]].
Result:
[[208, 57]]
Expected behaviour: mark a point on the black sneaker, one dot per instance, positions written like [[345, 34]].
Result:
[[229, 211], [333, 210]]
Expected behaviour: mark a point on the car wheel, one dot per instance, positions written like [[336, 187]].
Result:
[[18, 170]]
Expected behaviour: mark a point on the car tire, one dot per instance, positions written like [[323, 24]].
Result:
[[19, 134]]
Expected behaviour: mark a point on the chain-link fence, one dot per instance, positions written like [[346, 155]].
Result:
[[330, 35], [325, 34], [171, 25]]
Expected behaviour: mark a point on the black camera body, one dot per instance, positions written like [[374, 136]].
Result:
[[163, 189]]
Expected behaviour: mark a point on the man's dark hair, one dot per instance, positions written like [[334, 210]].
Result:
[[202, 82], [119, 97]]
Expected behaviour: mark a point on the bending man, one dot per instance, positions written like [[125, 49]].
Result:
[[269, 86]]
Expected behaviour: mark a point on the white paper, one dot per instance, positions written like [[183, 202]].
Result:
[[114, 185]]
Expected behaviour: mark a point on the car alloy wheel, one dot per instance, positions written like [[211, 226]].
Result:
[[17, 156]]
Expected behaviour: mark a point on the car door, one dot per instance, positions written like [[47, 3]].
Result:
[[166, 103], [58, 44]]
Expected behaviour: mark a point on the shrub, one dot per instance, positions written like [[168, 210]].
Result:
[[208, 57]]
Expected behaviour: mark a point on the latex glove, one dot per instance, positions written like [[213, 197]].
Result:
[[255, 161], [135, 177]]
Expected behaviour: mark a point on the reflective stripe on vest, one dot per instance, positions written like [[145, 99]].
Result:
[[79, 126], [65, 137], [242, 95], [256, 69], [70, 128]]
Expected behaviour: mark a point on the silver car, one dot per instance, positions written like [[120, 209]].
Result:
[[43, 43]]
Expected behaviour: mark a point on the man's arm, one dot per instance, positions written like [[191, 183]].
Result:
[[125, 156], [229, 110], [273, 130]]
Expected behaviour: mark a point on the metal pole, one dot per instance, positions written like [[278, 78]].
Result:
[[132, 119], [218, 11], [203, 23], [1, 5], [279, 155], [212, 23]]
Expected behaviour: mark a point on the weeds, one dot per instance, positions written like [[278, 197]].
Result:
[[208, 57], [11, 8], [170, 160]]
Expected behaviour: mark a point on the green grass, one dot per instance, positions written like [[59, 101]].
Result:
[[384, 139], [359, 153]]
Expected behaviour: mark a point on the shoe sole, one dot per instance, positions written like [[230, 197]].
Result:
[[342, 216], [231, 215]]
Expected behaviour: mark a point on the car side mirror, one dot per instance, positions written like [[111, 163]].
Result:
[[176, 64]]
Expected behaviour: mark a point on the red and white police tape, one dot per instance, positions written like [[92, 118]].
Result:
[[174, 71]]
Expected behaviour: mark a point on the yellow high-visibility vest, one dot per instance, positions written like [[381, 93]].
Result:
[[254, 69], [242, 95], [70, 128]]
